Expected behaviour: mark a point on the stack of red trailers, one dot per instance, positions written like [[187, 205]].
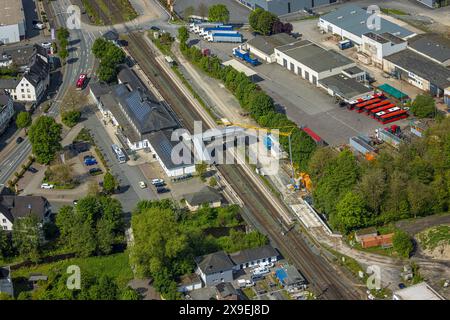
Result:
[[393, 116], [368, 108], [388, 106]]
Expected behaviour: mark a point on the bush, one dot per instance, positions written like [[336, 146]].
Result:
[[70, 118], [402, 243], [423, 106]]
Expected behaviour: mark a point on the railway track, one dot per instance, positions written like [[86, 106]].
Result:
[[325, 281]]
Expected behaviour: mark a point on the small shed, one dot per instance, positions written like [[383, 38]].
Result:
[[384, 240], [189, 282], [365, 233], [207, 195], [290, 277]]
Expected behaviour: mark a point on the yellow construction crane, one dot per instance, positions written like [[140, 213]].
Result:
[[285, 134]]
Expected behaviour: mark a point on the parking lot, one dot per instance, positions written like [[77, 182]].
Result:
[[238, 13], [305, 104]]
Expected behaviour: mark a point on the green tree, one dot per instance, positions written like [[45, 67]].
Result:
[[5, 244], [23, 120], [350, 212], [402, 243], [253, 18], [45, 138], [5, 296], [71, 118], [423, 106], [63, 53], [183, 34], [105, 236], [265, 22], [201, 169], [218, 13], [82, 238], [27, 237], [372, 187], [109, 183], [104, 288], [106, 72], [213, 182]]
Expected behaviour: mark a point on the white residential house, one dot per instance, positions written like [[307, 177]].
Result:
[[17, 207], [6, 110]]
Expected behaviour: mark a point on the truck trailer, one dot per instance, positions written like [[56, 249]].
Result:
[[235, 37], [204, 31], [196, 27]]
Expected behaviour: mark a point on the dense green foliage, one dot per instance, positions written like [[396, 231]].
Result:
[[27, 237], [63, 34], [423, 106], [71, 118], [256, 102], [413, 182], [110, 57], [218, 13], [183, 34], [266, 23], [166, 240], [109, 183], [102, 278], [93, 226], [5, 244], [45, 138], [23, 119], [402, 243]]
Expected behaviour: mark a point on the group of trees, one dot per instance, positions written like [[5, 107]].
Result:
[[267, 23], [110, 57], [23, 119], [167, 239], [411, 183], [218, 13], [92, 226], [45, 138], [26, 239], [423, 106], [93, 287], [63, 34], [254, 100]]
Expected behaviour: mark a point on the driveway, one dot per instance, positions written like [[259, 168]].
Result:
[[238, 13]]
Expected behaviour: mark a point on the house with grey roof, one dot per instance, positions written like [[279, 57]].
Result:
[[419, 71], [34, 73], [379, 45], [6, 110], [351, 22], [215, 268], [206, 196], [432, 46], [281, 7], [219, 267], [345, 87], [250, 258], [16, 207], [312, 62]]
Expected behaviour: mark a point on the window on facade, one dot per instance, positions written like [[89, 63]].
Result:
[[29, 96], [28, 90], [22, 90], [4, 220], [5, 227]]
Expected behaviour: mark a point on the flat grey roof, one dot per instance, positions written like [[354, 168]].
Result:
[[345, 86], [254, 254], [384, 37], [354, 70], [315, 57], [267, 44], [432, 45], [354, 19], [12, 12], [421, 66], [205, 195]]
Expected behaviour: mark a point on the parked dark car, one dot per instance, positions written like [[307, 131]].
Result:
[[32, 169], [162, 190], [159, 184], [19, 140], [90, 161], [95, 171], [401, 286], [155, 28]]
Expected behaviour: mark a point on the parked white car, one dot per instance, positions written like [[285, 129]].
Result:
[[260, 271], [155, 181], [266, 264], [142, 185], [47, 186], [46, 45]]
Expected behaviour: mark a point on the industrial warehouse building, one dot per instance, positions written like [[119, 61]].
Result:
[[264, 46], [350, 22], [12, 21], [281, 7], [345, 87], [419, 71], [378, 46], [432, 46], [312, 62]]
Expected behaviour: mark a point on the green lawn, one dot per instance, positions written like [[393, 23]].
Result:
[[249, 292], [115, 266]]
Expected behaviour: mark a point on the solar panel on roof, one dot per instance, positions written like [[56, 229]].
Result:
[[139, 109]]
